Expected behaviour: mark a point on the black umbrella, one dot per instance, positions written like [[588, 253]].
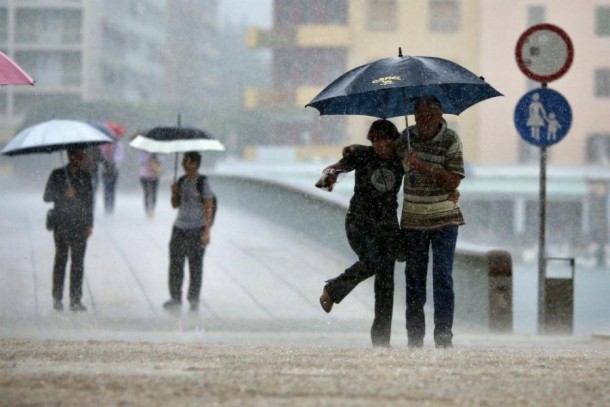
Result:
[[176, 139], [389, 87]]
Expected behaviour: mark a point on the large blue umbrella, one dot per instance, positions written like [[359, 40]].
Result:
[[389, 87]]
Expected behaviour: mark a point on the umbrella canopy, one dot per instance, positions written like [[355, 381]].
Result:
[[117, 129], [54, 135], [389, 88], [169, 140], [113, 129], [11, 73]]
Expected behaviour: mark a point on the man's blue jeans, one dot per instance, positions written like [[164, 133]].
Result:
[[418, 244]]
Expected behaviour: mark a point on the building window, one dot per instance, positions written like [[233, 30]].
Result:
[[602, 83], [3, 25], [444, 15], [311, 12], [602, 21], [383, 15], [536, 15], [598, 149]]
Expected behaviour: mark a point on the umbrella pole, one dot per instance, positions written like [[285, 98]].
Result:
[[408, 134], [63, 164], [410, 174], [175, 167], [179, 123]]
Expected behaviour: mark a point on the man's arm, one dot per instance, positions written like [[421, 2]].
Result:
[[208, 210], [175, 196], [447, 179], [50, 190]]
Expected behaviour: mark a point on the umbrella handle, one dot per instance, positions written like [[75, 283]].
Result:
[[410, 174], [175, 167], [179, 122], [408, 134]]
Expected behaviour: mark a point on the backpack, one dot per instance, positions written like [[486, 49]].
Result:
[[200, 182]]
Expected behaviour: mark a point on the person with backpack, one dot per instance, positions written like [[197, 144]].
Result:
[[194, 199]]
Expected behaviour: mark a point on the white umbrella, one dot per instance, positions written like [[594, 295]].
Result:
[[55, 135]]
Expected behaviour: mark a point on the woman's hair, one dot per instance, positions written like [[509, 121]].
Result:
[[382, 129]]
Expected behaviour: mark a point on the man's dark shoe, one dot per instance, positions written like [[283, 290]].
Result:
[[194, 305], [444, 344], [443, 340], [416, 343], [172, 304], [58, 305], [77, 307], [326, 302]]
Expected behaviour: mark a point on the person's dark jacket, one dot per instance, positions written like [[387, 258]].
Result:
[[75, 212]]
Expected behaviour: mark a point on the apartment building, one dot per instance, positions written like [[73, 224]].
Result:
[[314, 42], [586, 85], [128, 51]]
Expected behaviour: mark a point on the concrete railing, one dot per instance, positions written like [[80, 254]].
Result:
[[482, 276]]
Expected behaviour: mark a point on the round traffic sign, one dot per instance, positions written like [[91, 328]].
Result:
[[544, 52], [543, 117]]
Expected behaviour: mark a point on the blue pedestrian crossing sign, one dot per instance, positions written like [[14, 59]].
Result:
[[543, 117]]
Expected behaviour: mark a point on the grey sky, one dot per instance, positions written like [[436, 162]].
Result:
[[256, 13]]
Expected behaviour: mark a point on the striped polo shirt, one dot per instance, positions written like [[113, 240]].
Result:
[[426, 204]]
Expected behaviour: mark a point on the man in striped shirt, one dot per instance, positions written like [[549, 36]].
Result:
[[434, 165]]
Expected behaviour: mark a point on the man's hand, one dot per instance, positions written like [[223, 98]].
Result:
[[416, 164], [447, 179], [205, 237], [454, 196]]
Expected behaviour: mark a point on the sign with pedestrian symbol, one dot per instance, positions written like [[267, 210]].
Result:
[[543, 117]]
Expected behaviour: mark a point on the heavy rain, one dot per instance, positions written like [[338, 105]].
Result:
[[151, 80]]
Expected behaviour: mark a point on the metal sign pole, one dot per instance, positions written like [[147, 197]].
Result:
[[542, 242], [544, 52], [542, 239]]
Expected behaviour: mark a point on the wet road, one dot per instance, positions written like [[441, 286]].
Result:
[[258, 275], [260, 337]]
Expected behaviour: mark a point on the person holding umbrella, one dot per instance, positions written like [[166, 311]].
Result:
[[430, 218], [427, 87], [70, 190], [192, 195]]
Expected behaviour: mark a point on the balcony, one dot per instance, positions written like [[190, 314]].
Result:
[[259, 38], [303, 36], [320, 36]]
